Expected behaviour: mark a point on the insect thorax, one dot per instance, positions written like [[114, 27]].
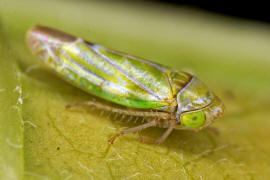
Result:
[[194, 96]]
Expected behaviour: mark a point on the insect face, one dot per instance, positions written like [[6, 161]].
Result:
[[197, 106]]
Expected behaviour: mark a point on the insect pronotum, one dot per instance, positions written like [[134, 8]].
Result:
[[164, 97]]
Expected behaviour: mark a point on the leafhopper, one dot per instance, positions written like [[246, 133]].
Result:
[[165, 97]]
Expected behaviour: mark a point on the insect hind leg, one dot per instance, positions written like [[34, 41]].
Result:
[[144, 126], [132, 113], [83, 103], [134, 129], [163, 137], [120, 110]]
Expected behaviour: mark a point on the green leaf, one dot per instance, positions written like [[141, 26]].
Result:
[[11, 121], [40, 139]]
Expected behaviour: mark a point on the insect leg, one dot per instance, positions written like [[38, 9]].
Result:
[[84, 103], [163, 137], [118, 110], [130, 130]]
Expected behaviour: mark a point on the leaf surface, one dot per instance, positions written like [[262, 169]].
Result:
[[40, 139]]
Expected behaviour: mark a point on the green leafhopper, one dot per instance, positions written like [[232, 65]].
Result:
[[165, 97]]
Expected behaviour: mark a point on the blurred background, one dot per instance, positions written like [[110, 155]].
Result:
[[224, 44], [249, 10]]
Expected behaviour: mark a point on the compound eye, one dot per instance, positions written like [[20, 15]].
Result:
[[193, 119]]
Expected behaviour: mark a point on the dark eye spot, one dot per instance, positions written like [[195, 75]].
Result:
[[194, 118]]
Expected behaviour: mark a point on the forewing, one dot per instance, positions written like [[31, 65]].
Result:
[[114, 77]]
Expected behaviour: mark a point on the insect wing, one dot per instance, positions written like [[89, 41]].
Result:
[[113, 76]]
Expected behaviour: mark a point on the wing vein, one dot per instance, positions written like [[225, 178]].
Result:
[[125, 73]]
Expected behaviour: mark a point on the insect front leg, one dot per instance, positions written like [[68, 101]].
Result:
[[130, 130], [163, 137]]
